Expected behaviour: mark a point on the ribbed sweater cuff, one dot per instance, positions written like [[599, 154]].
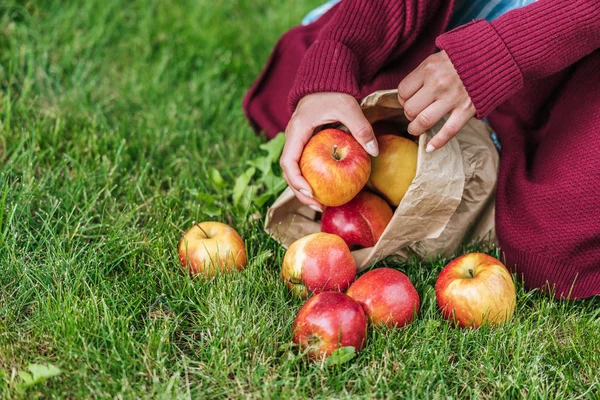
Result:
[[328, 66], [548, 36], [484, 64]]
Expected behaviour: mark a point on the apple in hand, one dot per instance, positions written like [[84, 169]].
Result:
[[317, 263], [360, 222], [328, 321], [394, 169], [387, 296], [210, 247], [476, 289], [335, 166]]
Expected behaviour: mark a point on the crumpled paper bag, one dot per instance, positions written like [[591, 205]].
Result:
[[450, 201]]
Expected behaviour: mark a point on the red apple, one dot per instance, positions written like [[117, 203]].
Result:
[[387, 296], [328, 321], [209, 247], [317, 263], [476, 289], [335, 166], [360, 222]]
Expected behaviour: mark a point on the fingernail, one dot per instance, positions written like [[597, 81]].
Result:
[[429, 148], [306, 193], [372, 148], [317, 209]]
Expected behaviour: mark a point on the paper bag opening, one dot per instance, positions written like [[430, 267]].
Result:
[[450, 201]]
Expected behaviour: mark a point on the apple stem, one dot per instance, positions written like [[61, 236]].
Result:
[[203, 231], [335, 154], [471, 273]]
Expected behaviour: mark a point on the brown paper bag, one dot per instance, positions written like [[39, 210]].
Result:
[[450, 201]]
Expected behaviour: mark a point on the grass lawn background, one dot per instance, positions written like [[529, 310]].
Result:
[[114, 116]]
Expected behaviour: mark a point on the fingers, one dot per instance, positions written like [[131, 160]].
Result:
[[360, 128], [294, 179], [410, 85], [455, 123], [297, 135], [431, 91], [316, 110], [427, 118], [417, 103], [303, 196]]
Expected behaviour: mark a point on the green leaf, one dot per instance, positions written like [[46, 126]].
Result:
[[210, 204], [341, 356], [212, 210], [274, 147], [263, 164], [26, 378], [262, 199], [241, 184], [206, 198], [261, 259], [216, 178], [193, 192], [248, 196], [43, 372], [274, 184], [286, 347], [39, 373]]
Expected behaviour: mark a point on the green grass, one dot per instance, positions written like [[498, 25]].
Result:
[[112, 116]]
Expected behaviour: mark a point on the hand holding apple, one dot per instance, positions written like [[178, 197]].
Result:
[[209, 247], [313, 111], [328, 321], [476, 289], [317, 263], [387, 296], [335, 166]]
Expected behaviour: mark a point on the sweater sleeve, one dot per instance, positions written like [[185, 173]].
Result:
[[495, 59], [358, 41]]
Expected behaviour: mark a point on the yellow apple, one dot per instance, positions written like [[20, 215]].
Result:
[[394, 169], [475, 289], [210, 247]]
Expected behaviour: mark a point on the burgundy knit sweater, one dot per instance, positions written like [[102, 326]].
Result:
[[534, 73]]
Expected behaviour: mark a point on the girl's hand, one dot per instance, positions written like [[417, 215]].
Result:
[[431, 91], [311, 112]]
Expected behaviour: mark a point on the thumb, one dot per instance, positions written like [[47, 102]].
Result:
[[361, 129]]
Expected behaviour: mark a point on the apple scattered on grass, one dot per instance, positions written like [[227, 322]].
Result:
[[335, 166], [328, 321], [360, 222], [393, 171], [210, 247], [472, 290], [475, 289], [387, 296], [317, 263]]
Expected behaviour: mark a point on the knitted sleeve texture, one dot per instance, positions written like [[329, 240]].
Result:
[[495, 59], [357, 42]]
